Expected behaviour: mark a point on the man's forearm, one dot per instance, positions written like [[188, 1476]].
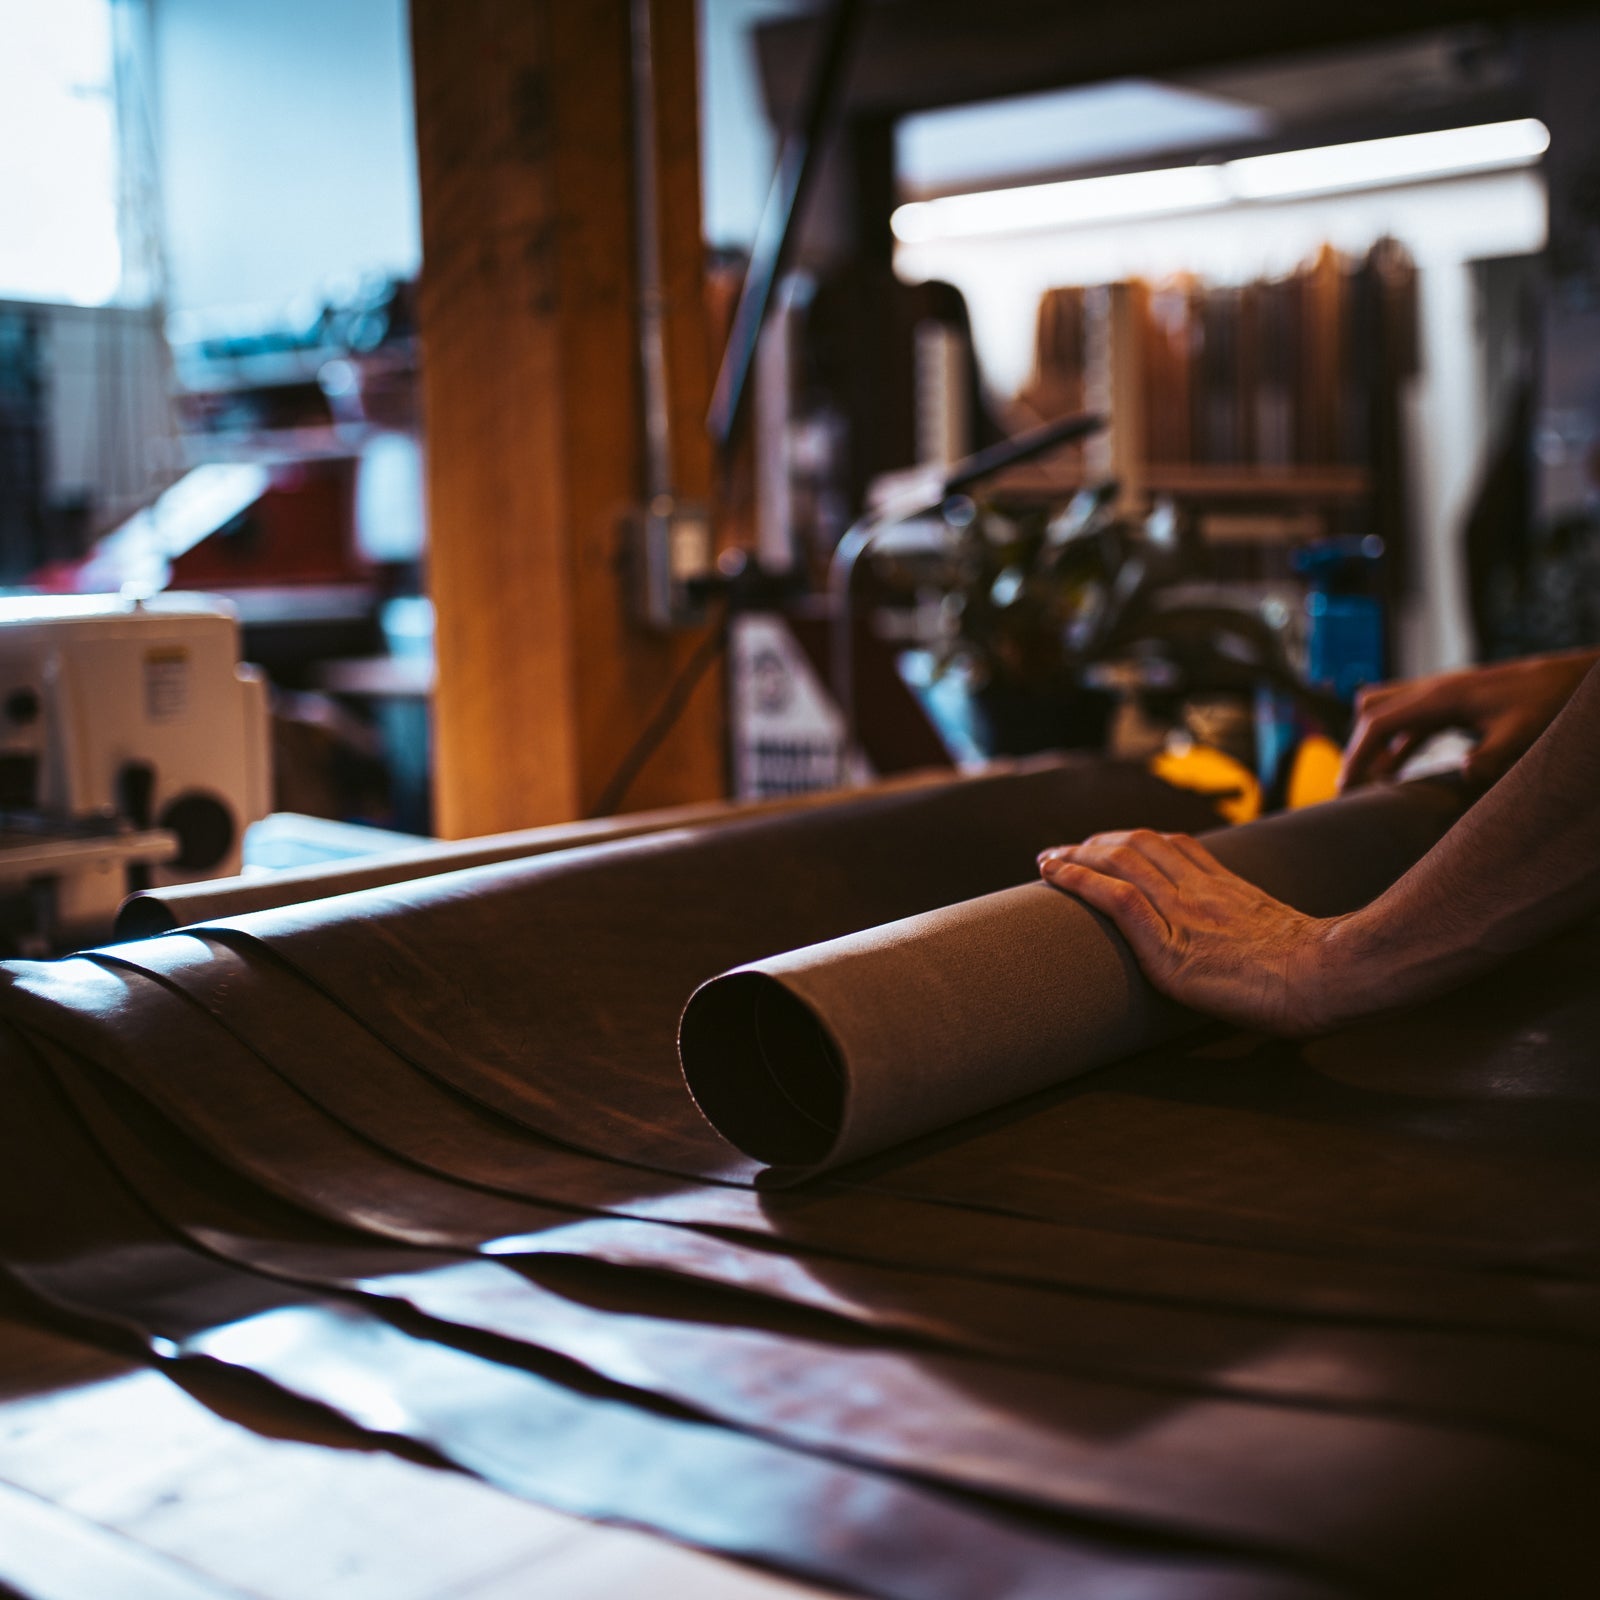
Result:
[[1523, 862], [1520, 864]]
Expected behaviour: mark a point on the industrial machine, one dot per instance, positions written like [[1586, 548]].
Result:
[[133, 751]]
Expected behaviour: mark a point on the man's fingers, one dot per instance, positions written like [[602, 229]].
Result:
[[1382, 741], [1196, 854], [1141, 857], [1125, 903], [1368, 742], [1492, 757], [1353, 769], [1372, 697], [1395, 754]]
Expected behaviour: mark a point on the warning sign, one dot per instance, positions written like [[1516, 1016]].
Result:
[[788, 735]]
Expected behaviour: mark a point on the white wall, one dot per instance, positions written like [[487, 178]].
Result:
[[287, 149], [1444, 225]]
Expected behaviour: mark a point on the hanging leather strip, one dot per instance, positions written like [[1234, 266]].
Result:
[[1519, 1389], [81, 1244]]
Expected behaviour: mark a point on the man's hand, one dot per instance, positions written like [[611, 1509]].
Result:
[[1203, 936], [1521, 863], [1506, 707]]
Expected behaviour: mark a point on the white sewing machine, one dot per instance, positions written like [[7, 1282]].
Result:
[[133, 751]]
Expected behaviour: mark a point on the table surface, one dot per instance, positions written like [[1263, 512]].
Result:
[[213, 1489]]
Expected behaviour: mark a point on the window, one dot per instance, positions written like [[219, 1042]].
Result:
[[59, 237]]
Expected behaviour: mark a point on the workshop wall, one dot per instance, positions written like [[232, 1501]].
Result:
[[1445, 225]]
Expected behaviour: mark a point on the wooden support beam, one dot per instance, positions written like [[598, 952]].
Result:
[[528, 312]]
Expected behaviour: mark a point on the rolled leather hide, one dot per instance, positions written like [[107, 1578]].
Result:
[[823, 1055], [153, 912]]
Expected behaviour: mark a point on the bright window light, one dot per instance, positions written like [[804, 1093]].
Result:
[[1331, 169], [58, 152]]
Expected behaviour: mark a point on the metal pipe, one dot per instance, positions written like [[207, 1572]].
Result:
[[774, 243], [655, 404]]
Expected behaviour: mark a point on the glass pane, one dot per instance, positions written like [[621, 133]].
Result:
[[58, 156]]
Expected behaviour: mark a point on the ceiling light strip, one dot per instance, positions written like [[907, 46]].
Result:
[[1169, 191]]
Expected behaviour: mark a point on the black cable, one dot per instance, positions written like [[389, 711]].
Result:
[[799, 160], [661, 724]]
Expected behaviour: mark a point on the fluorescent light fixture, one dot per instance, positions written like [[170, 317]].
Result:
[[1330, 169], [1062, 205], [1376, 162]]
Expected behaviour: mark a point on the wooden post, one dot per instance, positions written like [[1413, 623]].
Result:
[[528, 319]]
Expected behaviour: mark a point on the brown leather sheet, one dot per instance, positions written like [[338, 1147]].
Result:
[[222, 1093], [590, 955], [87, 1248], [1014, 1319], [371, 1089], [1225, 1318], [1462, 1133], [1522, 1388], [156, 911]]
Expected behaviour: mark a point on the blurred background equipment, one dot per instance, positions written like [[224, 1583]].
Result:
[[133, 751], [1329, 277], [1279, 242]]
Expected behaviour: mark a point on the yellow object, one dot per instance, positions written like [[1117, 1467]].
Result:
[[1199, 767], [1314, 777]]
